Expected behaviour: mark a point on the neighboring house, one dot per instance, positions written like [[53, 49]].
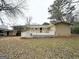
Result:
[[4, 30], [52, 30], [18, 29], [11, 31]]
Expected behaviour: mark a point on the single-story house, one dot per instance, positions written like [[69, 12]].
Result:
[[52, 30]]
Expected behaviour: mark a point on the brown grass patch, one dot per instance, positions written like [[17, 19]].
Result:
[[53, 48]]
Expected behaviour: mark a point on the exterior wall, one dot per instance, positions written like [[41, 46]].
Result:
[[37, 30], [52, 29], [49, 29], [34, 30], [63, 30], [57, 30], [12, 33], [45, 30], [60, 29]]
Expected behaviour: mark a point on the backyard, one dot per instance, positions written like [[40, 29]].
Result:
[[48, 48]]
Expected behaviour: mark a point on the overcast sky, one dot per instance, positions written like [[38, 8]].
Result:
[[38, 9]]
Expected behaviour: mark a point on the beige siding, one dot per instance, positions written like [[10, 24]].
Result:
[[52, 28], [63, 30], [12, 33], [37, 30], [45, 30]]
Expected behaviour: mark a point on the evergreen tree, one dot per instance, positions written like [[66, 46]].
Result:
[[61, 9]]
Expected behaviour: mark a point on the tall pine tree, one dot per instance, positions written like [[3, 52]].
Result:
[[61, 9]]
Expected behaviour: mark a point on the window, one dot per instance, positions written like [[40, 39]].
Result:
[[40, 30], [35, 28]]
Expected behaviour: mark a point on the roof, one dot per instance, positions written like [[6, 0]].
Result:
[[62, 23], [4, 27]]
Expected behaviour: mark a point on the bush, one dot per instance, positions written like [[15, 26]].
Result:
[[75, 30]]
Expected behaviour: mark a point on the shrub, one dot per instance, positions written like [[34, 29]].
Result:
[[75, 30]]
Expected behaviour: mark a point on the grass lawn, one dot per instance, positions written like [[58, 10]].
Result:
[[53, 48]]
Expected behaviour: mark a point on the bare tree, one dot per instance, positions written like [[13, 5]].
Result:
[[1, 21], [11, 10], [29, 19]]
